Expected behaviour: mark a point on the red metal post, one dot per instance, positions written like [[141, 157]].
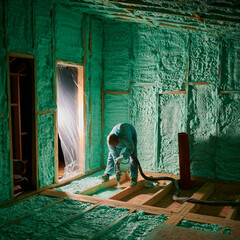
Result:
[[184, 161]]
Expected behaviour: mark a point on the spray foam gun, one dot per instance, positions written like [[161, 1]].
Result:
[[117, 168]]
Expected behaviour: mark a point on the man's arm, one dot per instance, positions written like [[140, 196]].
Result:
[[113, 152]]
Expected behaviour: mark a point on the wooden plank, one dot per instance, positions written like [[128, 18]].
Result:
[[116, 92], [233, 211], [45, 112], [108, 202], [143, 84], [180, 233], [229, 92], [129, 190], [18, 74], [77, 197], [175, 92], [199, 83], [202, 194], [159, 195], [235, 231], [103, 185]]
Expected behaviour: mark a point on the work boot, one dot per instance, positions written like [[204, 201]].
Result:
[[133, 182], [105, 177]]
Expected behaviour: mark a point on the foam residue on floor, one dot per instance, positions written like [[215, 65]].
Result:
[[78, 186], [43, 221], [25, 207], [136, 226], [205, 227], [86, 226]]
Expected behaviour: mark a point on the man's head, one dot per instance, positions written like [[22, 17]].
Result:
[[112, 140]]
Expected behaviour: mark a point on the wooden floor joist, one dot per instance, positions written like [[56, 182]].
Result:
[[149, 200]]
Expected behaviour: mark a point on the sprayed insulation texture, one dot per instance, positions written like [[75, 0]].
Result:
[[116, 111], [5, 163], [25, 207], [228, 159], [205, 227], [204, 58], [172, 121], [44, 57], [117, 52], [202, 110], [231, 67], [160, 57], [19, 20], [46, 157], [5, 166], [144, 117], [93, 94], [78, 186], [42, 221], [135, 226], [86, 226], [68, 33]]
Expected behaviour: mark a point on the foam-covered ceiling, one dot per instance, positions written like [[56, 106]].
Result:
[[200, 15]]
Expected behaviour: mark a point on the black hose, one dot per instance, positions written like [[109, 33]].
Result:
[[176, 192]]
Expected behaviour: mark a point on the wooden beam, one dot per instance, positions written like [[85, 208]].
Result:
[[174, 92], [103, 185], [199, 83], [202, 194], [116, 92], [158, 196], [129, 190], [233, 211], [108, 202]]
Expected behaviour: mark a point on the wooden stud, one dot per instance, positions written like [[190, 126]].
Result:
[[174, 92], [129, 190], [116, 92], [202, 194], [158, 196], [103, 185], [108, 202], [233, 211]]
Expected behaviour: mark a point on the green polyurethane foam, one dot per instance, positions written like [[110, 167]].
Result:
[[135, 226], [78, 186], [205, 227]]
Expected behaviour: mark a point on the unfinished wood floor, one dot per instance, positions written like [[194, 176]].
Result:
[[158, 200]]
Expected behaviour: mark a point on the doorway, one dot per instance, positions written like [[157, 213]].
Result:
[[70, 117], [22, 92]]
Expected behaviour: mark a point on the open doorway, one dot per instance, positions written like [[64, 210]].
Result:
[[21, 75], [70, 115]]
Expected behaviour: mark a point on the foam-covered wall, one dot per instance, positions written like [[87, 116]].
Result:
[[5, 166], [175, 81], [50, 31]]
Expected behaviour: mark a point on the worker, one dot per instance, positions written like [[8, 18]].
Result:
[[122, 142]]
